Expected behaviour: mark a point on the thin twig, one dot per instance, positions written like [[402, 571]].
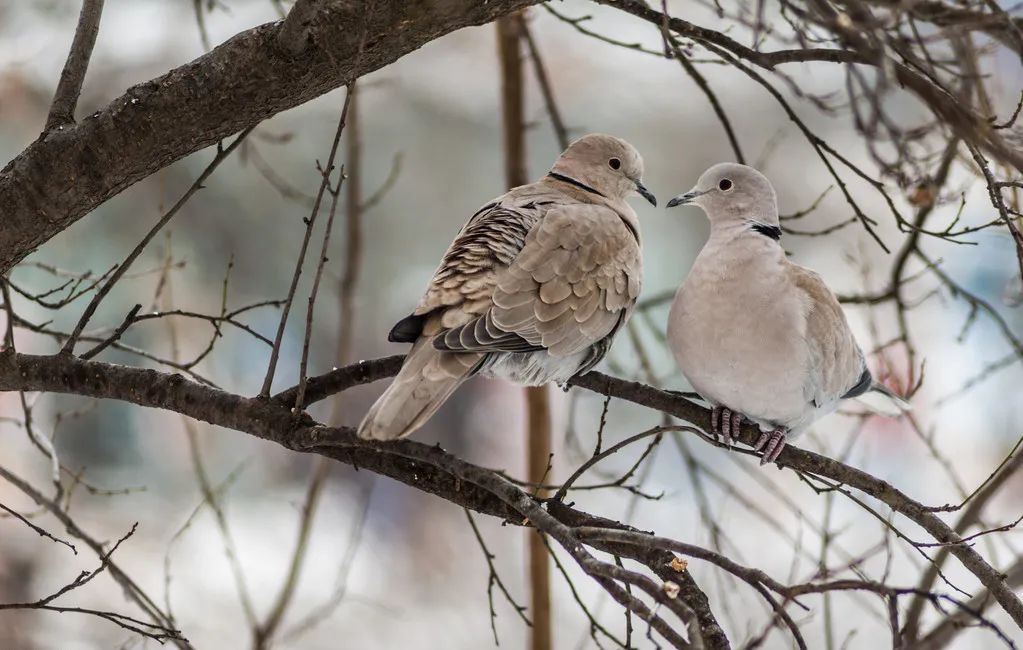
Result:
[[335, 192], [222, 154], [325, 172]]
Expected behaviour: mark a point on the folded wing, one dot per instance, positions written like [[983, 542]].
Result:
[[572, 285]]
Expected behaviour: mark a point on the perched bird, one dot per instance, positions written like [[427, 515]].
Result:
[[756, 335], [533, 289]]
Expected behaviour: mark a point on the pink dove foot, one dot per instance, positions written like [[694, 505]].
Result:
[[771, 443]]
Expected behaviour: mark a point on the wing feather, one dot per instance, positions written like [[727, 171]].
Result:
[[836, 363], [563, 281], [585, 269]]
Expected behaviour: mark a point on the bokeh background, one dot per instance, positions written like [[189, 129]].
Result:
[[413, 573]]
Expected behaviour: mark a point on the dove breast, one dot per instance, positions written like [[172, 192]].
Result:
[[738, 333]]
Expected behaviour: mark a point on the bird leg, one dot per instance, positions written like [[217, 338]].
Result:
[[771, 443], [725, 422]]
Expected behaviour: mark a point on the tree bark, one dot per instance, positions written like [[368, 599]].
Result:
[[68, 172]]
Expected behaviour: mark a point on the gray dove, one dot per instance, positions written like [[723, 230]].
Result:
[[533, 289], [756, 335]]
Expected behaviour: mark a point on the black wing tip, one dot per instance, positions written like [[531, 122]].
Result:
[[862, 385], [407, 330]]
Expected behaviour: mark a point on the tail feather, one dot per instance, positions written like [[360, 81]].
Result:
[[879, 399], [425, 381]]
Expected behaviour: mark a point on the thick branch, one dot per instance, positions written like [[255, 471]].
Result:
[[423, 467], [271, 419], [68, 172], [798, 459], [293, 36], [62, 111]]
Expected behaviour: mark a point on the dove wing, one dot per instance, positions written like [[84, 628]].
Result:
[[573, 284], [836, 367], [463, 285]]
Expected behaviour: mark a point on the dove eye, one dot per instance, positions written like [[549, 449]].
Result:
[[614, 163], [725, 185]]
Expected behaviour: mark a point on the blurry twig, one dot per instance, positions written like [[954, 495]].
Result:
[[264, 631], [206, 487], [494, 579], [222, 154], [543, 80], [325, 172], [317, 615]]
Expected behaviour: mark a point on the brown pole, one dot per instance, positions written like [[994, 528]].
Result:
[[510, 30]]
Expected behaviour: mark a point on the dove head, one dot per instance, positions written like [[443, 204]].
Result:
[[603, 164], [733, 193]]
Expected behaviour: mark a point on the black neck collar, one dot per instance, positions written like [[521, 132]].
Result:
[[572, 181], [773, 232]]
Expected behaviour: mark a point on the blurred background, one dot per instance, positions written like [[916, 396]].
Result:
[[389, 566]]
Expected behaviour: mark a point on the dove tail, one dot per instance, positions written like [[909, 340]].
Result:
[[425, 381], [879, 399]]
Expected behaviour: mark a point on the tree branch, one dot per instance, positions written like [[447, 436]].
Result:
[[62, 111], [293, 36], [426, 468], [236, 85], [410, 462], [854, 50]]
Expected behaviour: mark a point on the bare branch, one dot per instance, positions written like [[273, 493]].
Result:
[[233, 87], [325, 186], [294, 33], [222, 154], [62, 111]]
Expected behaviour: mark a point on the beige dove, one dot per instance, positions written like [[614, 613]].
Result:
[[755, 334], [533, 289]]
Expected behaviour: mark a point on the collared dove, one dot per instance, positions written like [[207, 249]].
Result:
[[533, 289], [755, 334]]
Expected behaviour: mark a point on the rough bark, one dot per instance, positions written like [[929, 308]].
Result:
[[68, 172]]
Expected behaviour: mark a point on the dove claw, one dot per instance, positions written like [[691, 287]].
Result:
[[725, 423], [726, 426], [772, 443]]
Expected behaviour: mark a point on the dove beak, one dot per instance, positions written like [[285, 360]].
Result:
[[685, 199], [645, 193]]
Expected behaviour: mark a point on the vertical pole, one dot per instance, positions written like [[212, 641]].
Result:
[[510, 31]]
